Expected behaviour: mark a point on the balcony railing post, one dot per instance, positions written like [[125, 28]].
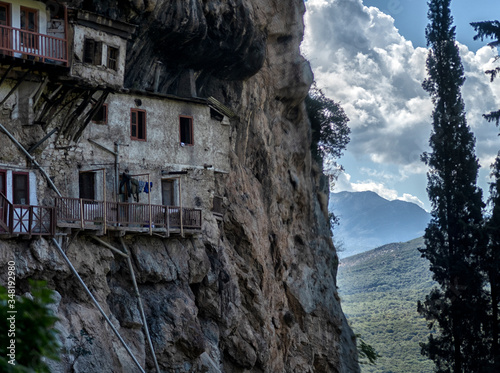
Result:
[[53, 221], [30, 219], [82, 222], [11, 219]]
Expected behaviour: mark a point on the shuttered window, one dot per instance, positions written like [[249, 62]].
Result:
[[138, 124], [92, 52]]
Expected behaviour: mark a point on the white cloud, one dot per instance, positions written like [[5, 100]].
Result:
[[360, 60]]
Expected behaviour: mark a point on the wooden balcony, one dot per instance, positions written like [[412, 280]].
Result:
[[26, 220], [127, 217], [31, 45], [97, 216]]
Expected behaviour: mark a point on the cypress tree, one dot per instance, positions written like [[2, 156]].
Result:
[[492, 263], [453, 238]]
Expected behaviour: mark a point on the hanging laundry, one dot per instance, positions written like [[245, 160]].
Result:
[[142, 185], [135, 189], [148, 188], [125, 182]]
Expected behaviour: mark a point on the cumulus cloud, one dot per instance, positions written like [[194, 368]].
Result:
[[360, 60]]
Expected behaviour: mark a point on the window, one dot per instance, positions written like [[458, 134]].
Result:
[[5, 32], [137, 124], [87, 185], [20, 186], [29, 22], [112, 58], [101, 116], [92, 52], [4, 14], [186, 130]]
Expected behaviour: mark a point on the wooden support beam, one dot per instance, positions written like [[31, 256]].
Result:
[[19, 81], [4, 76], [91, 114], [30, 150]]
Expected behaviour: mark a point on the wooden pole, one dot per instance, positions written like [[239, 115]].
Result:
[[104, 188], [180, 206], [139, 301], [150, 213]]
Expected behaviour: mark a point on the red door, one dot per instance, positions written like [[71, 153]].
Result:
[[5, 28], [29, 22]]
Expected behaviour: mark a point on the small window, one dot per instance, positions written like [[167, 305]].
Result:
[[92, 52], [101, 116], [137, 124], [186, 130], [112, 58], [20, 186]]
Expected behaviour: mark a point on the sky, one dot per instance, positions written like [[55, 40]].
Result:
[[369, 55]]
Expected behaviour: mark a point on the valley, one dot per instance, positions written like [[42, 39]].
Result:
[[379, 290]]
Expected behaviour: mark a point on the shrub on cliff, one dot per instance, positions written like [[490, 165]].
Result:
[[330, 133]]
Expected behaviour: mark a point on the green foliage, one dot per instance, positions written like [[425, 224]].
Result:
[[366, 352], [379, 291], [489, 30], [491, 263], [80, 345], [35, 336], [330, 133]]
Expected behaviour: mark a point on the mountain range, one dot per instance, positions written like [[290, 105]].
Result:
[[367, 221]]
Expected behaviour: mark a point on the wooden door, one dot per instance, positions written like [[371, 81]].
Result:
[[29, 22], [87, 185], [167, 192]]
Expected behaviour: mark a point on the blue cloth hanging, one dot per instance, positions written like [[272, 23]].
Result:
[[146, 188]]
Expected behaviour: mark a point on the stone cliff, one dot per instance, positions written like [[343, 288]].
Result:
[[256, 292]]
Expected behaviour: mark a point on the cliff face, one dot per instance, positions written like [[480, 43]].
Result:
[[256, 292]]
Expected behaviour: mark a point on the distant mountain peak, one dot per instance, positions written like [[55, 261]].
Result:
[[367, 220]]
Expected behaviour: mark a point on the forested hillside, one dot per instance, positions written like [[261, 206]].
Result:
[[379, 291]]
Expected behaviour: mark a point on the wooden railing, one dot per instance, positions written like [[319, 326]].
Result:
[[24, 219], [90, 214], [87, 214], [26, 43]]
